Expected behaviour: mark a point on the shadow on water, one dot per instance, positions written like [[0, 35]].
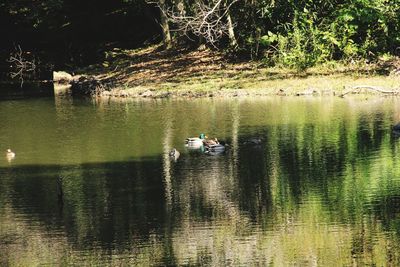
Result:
[[26, 89], [114, 200], [119, 199], [302, 184]]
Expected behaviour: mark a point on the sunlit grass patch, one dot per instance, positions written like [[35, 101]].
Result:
[[209, 71]]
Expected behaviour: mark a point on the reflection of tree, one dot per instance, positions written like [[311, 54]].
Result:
[[322, 189], [166, 160], [235, 137], [203, 194], [299, 159]]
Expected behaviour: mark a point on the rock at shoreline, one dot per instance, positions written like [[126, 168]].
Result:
[[147, 93], [309, 91], [62, 77]]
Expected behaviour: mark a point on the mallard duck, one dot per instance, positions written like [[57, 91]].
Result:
[[210, 142], [216, 148], [195, 141], [174, 154], [253, 141], [10, 155]]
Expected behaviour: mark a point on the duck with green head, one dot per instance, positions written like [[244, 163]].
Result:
[[196, 141]]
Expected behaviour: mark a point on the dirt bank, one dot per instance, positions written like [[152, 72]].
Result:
[[153, 73]]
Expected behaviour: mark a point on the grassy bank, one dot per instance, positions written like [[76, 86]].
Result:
[[151, 72]]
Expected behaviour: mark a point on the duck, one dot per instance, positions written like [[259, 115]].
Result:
[[196, 141], [210, 142], [253, 141], [10, 155], [174, 154], [215, 148]]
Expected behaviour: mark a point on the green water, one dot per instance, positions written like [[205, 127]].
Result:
[[92, 183]]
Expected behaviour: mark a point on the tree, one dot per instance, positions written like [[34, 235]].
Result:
[[209, 20], [164, 25]]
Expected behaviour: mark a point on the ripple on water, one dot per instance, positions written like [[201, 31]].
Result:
[[321, 189]]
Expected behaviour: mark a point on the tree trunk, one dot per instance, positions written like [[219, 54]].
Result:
[[179, 36], [231, 32], [165, 26]]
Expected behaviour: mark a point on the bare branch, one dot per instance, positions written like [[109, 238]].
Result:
[[208, 19], [20, 64], [357, 89]]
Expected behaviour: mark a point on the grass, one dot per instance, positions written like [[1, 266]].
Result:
[[197, 73]]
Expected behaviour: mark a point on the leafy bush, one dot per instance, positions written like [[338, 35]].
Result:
[[303, 34]]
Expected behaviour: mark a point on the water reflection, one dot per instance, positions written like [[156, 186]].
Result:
[[97, 185]]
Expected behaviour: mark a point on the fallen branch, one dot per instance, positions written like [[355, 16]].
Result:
[[357, 89]]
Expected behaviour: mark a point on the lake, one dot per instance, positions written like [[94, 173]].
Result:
[[92, 182]]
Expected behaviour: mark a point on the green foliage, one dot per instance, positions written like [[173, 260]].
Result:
[[35, 14], [268, 39], [304, 44], [297, 34], [303, 34]]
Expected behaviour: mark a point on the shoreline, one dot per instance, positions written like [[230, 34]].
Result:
[[151, 73], [328, 86]]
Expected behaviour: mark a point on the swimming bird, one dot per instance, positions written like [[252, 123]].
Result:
[[253, 141], [210, 142], [10, 155], [174, 154], [215, 148], [195, 142]]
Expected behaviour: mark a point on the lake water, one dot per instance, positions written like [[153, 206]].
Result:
[[92, 183]]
